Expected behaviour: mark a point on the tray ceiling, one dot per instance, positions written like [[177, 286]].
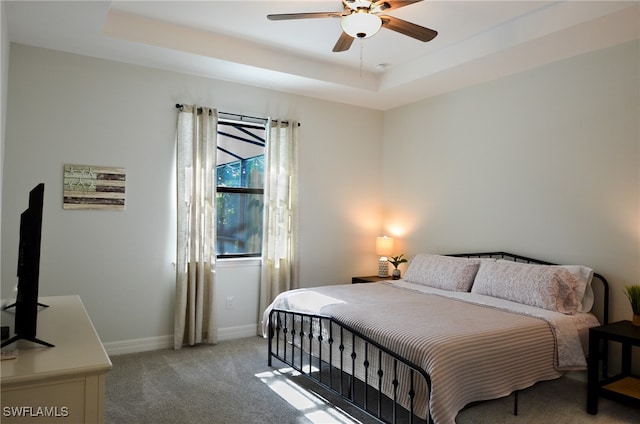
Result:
[[478, 41]]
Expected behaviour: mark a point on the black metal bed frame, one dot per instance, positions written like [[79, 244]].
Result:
[[289, 332], [336, 369]]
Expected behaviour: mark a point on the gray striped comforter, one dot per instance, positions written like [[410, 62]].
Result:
[[473, 348]]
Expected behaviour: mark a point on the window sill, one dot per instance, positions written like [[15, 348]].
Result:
[[238, 262]]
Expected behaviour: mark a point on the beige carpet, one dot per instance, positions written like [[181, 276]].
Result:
[[231, 383]]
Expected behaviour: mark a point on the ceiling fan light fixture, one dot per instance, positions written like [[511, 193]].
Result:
[[361, 24]]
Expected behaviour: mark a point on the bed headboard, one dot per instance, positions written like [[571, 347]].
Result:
[[518, 258]]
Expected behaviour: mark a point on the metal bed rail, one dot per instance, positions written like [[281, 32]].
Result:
[[349, 364]]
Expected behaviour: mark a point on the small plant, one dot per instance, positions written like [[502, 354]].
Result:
[[633, 294], [397, 260]]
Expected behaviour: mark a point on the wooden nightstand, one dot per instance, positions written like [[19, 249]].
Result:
[[622, 387], [372, 279]]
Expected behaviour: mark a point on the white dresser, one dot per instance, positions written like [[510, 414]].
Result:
[[62, 384]]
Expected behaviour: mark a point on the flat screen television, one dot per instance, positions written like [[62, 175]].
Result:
[[26, 306]]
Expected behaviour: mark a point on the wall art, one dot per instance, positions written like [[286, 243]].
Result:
[[94, 187]]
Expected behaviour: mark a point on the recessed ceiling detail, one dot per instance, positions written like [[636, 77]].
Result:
[[476, 41]]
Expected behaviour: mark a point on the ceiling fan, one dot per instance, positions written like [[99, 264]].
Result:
[[363, 19]]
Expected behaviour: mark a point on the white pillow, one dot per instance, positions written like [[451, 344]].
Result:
[[443, 272], [542, 286], [584, 292]]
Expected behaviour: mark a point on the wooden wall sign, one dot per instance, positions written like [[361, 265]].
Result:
[[94, 187]]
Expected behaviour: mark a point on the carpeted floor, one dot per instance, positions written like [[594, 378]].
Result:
[[232, 383]]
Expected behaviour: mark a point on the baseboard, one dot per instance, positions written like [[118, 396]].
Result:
[[166, 342], [138, 345], [238, 332]]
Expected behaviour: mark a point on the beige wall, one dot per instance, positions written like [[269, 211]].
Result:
[[70, 109], [4, 75], [544, 163]]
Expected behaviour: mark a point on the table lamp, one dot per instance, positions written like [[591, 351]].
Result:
[[384, 248]]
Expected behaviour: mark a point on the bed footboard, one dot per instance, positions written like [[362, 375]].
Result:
[[371, 377]]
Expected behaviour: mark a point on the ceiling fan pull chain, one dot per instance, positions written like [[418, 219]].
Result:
[[361, 41]]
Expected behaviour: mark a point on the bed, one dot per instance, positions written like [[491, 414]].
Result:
[[456, 329]]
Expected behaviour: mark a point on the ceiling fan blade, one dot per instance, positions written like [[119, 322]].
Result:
[[407, 28], [344, 43], [384, 5], [286, 16]]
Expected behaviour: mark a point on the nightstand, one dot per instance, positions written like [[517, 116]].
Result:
[[372, 279], [623, 387]]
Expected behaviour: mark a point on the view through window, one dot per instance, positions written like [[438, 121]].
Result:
[[240, 188]]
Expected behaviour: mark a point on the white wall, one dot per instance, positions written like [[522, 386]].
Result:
[[544, 163], [70, 109], [4, 78]]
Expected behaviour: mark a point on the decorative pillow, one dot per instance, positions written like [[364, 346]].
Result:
[[584, 292], [587, 300], [543, 286], [443, 272]]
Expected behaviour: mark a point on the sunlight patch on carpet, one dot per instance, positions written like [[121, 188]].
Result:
[[316, 409]]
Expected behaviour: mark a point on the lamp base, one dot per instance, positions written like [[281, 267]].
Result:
[[383, 268]]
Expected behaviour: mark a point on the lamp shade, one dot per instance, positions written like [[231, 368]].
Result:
[[384, 246], [361, 24]]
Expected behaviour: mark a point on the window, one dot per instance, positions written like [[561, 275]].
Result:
[[240, 188]]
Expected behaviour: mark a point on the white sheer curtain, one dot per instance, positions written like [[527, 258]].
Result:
[[195, 318], [280, 240]]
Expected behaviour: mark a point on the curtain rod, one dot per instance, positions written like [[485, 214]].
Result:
[[239, 117]]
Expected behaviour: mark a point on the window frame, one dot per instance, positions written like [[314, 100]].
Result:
[[239, 190]]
